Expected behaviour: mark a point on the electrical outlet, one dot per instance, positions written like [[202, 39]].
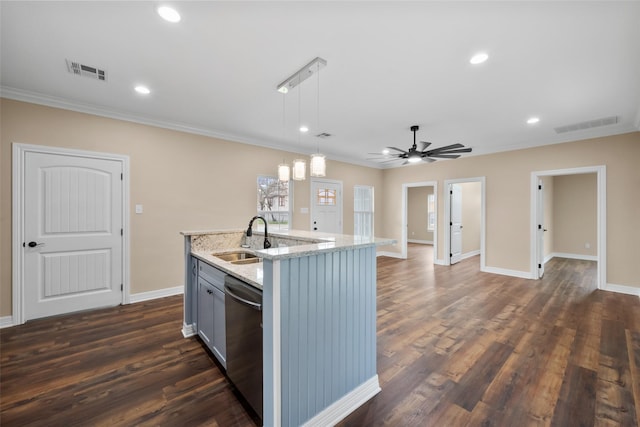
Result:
[[587, 245]]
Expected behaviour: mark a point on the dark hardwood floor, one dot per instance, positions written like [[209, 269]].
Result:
[[456, 347]]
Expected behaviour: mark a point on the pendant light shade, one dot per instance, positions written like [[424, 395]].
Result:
[[299, 170], [318, 165], [284, 171]]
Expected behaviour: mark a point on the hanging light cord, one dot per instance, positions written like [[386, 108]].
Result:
[[318, 111]]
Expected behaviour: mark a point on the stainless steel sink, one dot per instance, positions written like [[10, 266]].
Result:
[[247, 261], [238, 257]]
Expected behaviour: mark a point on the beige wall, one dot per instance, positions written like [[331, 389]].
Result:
[[548, 224], [417, 213], [508, 204], [471, 216], [184, 181], [575, 214]]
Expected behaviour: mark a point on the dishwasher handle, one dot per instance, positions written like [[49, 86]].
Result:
[[254, 305]]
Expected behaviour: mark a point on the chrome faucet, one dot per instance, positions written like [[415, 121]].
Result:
[[267, 243]]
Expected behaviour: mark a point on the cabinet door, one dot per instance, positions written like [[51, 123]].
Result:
[[205, 312], [219, 333]]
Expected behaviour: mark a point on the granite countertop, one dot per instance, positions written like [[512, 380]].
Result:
[[288, 244]]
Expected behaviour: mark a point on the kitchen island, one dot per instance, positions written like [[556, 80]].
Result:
[[319, 317]]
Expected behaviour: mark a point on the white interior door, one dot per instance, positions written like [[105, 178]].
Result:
[[73, 220], [326, 206], [455, 192], [540, 229]]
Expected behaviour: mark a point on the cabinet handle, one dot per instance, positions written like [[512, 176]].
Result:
[[209, 291]]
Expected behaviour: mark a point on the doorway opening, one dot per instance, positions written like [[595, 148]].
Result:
[[464, 220], [425, 228], [568, 207]]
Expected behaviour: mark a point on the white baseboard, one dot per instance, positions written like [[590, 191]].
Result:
[[548, 258], [507, 272], [390, 254], [6, 321], [160, 293], [622, 289], [421, 242], [469, 254], [572, 256], [341, 408], [188, 330], [439, 262]]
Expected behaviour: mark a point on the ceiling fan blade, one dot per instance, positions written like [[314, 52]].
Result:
[[425, 144], [397, 149], [459, 150], [446, 148], [405, 163], [445, 156], [388, 161]]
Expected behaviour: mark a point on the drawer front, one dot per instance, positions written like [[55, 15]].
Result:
[[211, 275]]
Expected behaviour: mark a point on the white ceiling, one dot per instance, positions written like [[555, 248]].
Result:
[[390, 65]]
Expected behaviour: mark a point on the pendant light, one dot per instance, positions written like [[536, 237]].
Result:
[[284, 171], [299, 165], [318, 163]]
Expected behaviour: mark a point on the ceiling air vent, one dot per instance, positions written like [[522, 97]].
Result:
[[588, 125], [323, 135], [86, 70]]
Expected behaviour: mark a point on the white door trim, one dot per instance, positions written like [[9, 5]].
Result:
[[601, 173], [18, 237], [447, 215], [405, 219], [312, 200]]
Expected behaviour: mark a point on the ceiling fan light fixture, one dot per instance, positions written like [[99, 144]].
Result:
[[385, 151], [414, 158], [533, 120]]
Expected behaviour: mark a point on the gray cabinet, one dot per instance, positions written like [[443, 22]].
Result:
[[211, 317]]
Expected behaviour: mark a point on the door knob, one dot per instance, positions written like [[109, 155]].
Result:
[[34, 244]]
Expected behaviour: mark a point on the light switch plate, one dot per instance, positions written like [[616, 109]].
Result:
[[304, 210], [139, 209]]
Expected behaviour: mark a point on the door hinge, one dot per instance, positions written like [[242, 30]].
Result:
[[450, 224], [539, 226], [539, 187], [451, 192], [121, 287], [122, 232], [450, 255], [121, 177], [539, 265]]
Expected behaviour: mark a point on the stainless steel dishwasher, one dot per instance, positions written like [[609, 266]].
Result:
[[243, 315]]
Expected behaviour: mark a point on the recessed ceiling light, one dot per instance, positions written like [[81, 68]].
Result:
[[169, 14], [142, 90], [533, 120], [304, 129], [385, 151], [479, 58]]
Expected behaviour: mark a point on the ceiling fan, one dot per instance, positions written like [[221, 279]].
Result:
[[413, 155]]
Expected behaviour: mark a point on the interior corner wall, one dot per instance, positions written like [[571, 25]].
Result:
[[575, 214], [508, 199], [548, 222], [185, 182], [471, 216], [417, 214]]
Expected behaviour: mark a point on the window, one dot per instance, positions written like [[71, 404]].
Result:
[[273, 202], [363, 211], [431, 212], [326, 197]]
